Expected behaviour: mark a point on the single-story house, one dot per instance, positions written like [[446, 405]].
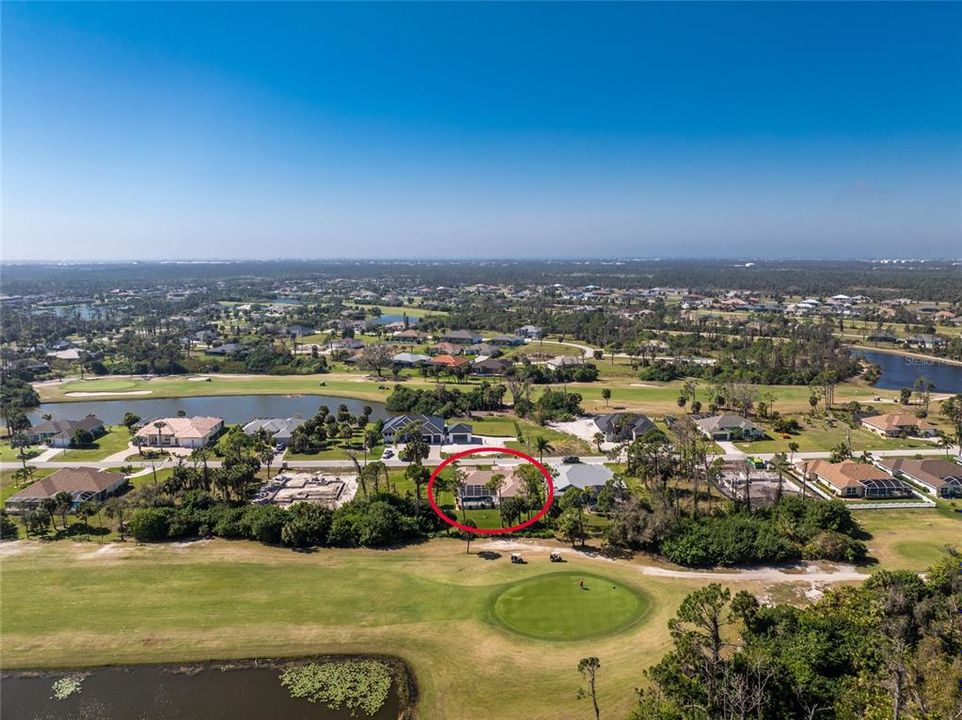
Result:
[[508, 340], [280, 429], [491, 366], [347, 344], [449, 361], [939, 477], [582, 476], [461, 337], [226, 349], [729, 427], [619, 427], [855, 479], [563, 361], [445, 348], [185, 432], [83, 484], [59, 433], [475, 493], [483, 349], [407, 359], [433, 429], [926, 340], [530, 331], [408, 336], [899, 424]]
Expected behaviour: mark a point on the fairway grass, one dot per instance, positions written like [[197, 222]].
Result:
[[69, 604], [557, 607]]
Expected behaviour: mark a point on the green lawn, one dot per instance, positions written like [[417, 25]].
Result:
[[10, 454], [568, 606], [116, 439], [818, 435], [910, 539], [428, 603]]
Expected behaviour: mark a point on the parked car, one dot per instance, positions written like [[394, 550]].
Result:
[[571, 460], [388, 453]]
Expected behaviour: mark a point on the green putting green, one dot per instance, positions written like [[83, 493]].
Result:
[[557, 607]]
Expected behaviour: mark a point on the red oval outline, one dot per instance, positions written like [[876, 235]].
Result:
[[490, 531]]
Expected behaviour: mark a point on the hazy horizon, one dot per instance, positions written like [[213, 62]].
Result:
[[138, 132]]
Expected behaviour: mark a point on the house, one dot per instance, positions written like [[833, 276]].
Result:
[[59, 433], [530, 331], [927, 341], [407, 359], [280, 429], [883, 337], [433, 429], [483, 349], [581, 476], [899, 425], [619, 427], [83, 484], [408, 336], [854, 479], [563, 361], [449, 362], [226, 349], [347, 344], [474, 491], [491, 366], [185, 432], [729, 427], [461, 337], [939, 477], [445, 349], [507, 340], [299, 330]]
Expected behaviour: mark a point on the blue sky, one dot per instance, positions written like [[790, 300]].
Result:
[[496, 130]]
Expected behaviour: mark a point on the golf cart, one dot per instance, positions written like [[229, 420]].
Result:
[[516, 558], [556, 557]]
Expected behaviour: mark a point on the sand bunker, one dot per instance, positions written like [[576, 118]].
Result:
[[101, 393]]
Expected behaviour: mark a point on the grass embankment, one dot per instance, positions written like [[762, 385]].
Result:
[[70, 604]]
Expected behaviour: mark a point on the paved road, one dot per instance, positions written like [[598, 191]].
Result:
[[481, 460]]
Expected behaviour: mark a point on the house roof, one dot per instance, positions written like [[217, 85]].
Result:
[[715, 423], [581, 475], [410, 358], [274, 426], [81, 482], [512, 483], [433, 424], [461, 335], [934, 473], [896, 421], [182, 427], [848, 473], [609, 422], [67, 427], [461, 428], [565, 361], [450, 360]]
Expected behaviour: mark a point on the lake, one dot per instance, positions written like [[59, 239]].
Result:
[[387, 319], [233, 408], [899, 371], [134, 693]]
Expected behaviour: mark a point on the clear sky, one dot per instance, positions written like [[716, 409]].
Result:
[[497, 130]]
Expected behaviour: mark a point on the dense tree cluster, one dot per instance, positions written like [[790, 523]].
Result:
[[444, 401], [888, 648]]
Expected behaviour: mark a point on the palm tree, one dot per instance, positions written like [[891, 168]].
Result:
[[266, 455], [159, 425], [495, 484], [542, 445], [792, 448]]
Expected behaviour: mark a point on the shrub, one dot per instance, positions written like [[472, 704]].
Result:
[[149, 525], [830, 545]]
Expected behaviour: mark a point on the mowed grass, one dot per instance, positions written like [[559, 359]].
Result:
[[116, 439], [910, 539], [568, 606], [86, 604]]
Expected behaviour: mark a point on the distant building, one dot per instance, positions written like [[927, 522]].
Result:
[[83, 484], [462, 337], [433, 429], [530, 331]]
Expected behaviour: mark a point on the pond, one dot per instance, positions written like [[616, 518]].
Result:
[[387, 319], [899, 371], [233, 408], [202, 693]]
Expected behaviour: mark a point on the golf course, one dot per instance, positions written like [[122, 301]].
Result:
[[485, 637]]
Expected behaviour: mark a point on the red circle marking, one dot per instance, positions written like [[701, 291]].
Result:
[[490, 531]]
